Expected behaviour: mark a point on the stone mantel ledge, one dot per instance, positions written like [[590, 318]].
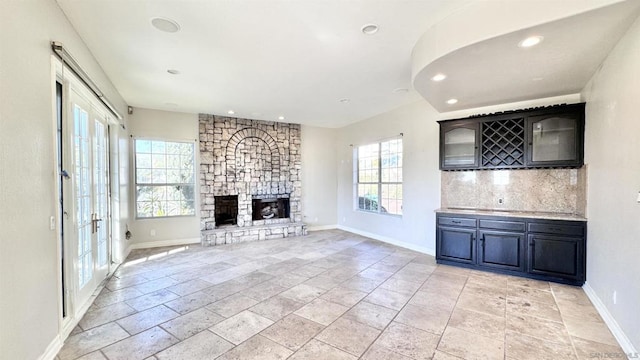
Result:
[[509, 213]]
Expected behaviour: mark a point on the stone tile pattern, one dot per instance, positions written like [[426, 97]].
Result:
[[342, 296], [563, 190], [249, 158]]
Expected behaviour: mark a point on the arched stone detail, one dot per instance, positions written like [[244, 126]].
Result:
[[238, 138]]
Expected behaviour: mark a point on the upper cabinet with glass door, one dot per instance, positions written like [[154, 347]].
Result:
[[556, 139], [459, 145], [545, 137]]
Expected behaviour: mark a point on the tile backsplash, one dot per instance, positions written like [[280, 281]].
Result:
[[560, 191]]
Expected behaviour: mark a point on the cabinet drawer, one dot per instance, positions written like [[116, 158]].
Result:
[[557, 229], [502, 225], [455, 221]]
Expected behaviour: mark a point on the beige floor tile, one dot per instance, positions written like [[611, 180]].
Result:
[[481, 289], [530, 294], [441, 299], [276, 307], [344, 296], [439, 355], [539, 328], [154, 285], [202, 346], [107, 297], [376, 316], [576, 310], [264, 290], [257, 348], [188, 303], [152, 299], [140, 346], [408, 341], [189, 287], [392, 268], [478, 323], [375, 274], [492, 305], [289, 280], [529, 283], [523, 347], [292, 331], [377, 352], [91, 340], [315, 350], [308, 271], [594, 350], [444, 280], [242, 326], [547, 311], [361, 283], [232, 305], [96, 355], [323, 282], [428, 318], [191, 323], [303, 293], [470, 346], [400, 286], [99, 316], [321, 311], [572, 294], [348, 335], [387, 298], [596, 331], [411, 275], [452, 270], [147, 319]]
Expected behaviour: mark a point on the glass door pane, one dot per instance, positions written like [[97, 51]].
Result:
[[553, 139], [83, 198], [460, 147], [101, 196]]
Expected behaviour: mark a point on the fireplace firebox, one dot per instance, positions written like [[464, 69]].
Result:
[[226, 210], [270, 208]]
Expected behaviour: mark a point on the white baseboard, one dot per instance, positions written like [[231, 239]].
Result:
[[322, 227], [161, 243], [616, 330], [52, 350], [414, 247]]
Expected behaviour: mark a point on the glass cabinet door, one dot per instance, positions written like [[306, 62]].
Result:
[[554, 139], [459, 146]]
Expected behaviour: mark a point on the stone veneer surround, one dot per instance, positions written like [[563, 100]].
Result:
[[248, 158]]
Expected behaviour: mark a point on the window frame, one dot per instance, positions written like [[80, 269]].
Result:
[[379, 182], [136, 184]]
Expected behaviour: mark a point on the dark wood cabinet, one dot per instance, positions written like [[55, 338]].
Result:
[[543, 249], [533, 138]]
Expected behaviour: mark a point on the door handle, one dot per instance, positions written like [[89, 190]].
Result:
[[94, 223]]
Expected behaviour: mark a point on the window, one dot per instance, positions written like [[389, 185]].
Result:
[[164, 178], [379, 177]]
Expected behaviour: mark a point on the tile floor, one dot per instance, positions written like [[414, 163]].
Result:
[[329, 295]]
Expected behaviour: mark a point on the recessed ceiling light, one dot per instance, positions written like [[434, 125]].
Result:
[[173, 71], [400, 90], [280, 117], [530, 41], [344, 101], [370, 29], [166, 25], [452, 101], [231, 112], [439, 77]]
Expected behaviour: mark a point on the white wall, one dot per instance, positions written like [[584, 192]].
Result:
[[612, 153], [421, 185], [164, 125], [319, 177], [29, 261]]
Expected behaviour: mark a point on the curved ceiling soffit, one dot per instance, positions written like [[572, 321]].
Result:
[[481, 21]]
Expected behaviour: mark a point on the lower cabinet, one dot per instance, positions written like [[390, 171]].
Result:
[[551, 250]]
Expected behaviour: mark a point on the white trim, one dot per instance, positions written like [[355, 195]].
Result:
[[406, 245], [322, 227], [161, 243], [611, 322], [52, 350]]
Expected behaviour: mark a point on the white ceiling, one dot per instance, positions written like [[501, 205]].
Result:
[[269, 58]]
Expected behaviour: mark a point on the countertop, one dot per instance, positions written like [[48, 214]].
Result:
[[511, 213]]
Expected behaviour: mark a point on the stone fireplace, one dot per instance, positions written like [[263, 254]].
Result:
[[249, 180]]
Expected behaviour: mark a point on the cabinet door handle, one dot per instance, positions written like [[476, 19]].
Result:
[[456, 221]]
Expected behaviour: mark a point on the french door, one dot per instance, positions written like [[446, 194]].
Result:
[[87, 166]]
